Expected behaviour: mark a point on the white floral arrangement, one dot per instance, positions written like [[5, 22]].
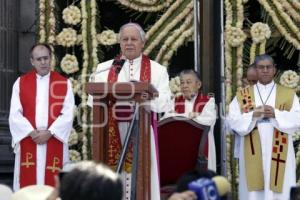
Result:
[[76, 87], [74, 155], [67, 37], [71, 15], [289, 79], [73, 139], [175, 86], [260, 32], [69, 64], [107, 37], [235, 36], [79, 40]]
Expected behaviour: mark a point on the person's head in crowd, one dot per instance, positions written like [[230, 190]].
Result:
[[92, 181], [183, 182], [5, 192], [132, 40], [33, 192], [40, 58], [190, 83], [265, 68], [251, 75]]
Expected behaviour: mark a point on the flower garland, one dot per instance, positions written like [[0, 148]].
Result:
[[168, 27], [42, 30], [84, 75], [76, 87], [296, 4], [146, 6], [94, 34], [289, 79], [187, 22], [260, 32], [178, 42], [71, 15], [74, 155], [290, 10], [234, 40], [52, 22], [163, 18], [107, 37], [73, 139], [69, 64], [174, 85], [280, 19]]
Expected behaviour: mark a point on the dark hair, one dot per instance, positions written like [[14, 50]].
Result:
[[91, 181], [47, 46], [190, 71], [263, 57]]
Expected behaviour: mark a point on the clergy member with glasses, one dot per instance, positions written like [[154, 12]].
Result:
[[265, 116]]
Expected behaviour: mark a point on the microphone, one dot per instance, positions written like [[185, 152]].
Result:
[[210, 189], [117, 64]]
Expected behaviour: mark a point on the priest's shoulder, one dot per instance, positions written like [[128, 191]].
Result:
[[157, 66], [247, 87], [58, 76], [285, 88], [104, 64]]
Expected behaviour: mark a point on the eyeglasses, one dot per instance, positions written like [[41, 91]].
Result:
[[262, 67]]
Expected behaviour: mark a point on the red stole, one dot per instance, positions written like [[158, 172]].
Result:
[[54, 157], [114, 140], [199, 104]]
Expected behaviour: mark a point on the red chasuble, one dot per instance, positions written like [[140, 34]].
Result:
[[199, 104], [114, 140], [54, 157]]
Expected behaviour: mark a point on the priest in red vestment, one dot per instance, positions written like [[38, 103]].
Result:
[[40, 121], [201, 108]]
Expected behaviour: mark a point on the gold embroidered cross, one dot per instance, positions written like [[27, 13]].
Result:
[[54, 165], [27, 163]]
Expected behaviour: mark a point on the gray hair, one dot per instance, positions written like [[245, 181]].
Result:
[[137, 26], [190, 71], [263, 57]]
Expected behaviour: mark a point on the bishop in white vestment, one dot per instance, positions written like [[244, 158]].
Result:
[[132, 41]]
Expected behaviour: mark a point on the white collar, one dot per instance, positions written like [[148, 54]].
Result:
[[136, 60], [43, 77], [193, 98], [269, 85]]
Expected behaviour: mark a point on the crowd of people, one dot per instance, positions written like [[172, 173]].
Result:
[[263, 117]]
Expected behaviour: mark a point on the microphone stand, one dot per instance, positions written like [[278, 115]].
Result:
[[127, 139], [132, 133]]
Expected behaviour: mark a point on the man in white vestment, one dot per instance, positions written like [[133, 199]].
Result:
[[201, 108], [265, 116], [40, 121], [136, 67]]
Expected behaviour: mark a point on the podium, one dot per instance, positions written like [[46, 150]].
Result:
[[181, 149], [104, 94]]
